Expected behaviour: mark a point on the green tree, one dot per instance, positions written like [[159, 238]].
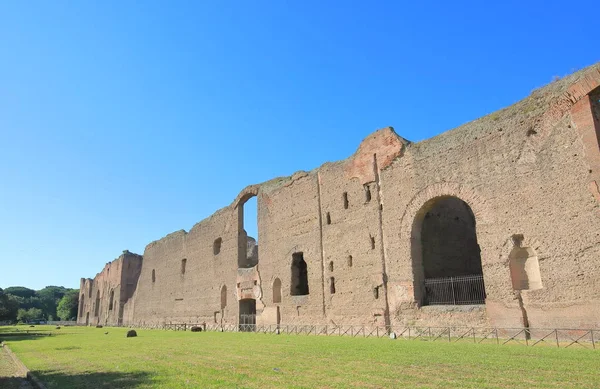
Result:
[[49, 298], [29, 314], [20, 291], [67, 306], [8, 306]]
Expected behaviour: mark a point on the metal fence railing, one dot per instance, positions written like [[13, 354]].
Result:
[[247, 322], [461, 290], [562, 337]]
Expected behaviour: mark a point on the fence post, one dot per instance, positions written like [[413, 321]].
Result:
[[592, 335], [556, 335], [497, 341], [473, 329], [449, 335], [453, 295]]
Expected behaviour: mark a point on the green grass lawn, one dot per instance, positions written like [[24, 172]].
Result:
[[79, 357]]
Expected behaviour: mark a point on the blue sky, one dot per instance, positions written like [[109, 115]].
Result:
[[121, 123]]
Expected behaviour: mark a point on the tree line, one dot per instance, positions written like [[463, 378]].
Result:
[[18, 303]]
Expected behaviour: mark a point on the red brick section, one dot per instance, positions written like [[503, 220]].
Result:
[[585, 85], [583, 119], [582, 115], [385, 143]]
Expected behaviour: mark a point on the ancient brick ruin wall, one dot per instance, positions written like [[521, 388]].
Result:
[[107, 299], [166, 292], [528, 173]]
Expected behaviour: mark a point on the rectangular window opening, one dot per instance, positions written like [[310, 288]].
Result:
[[367, 193]]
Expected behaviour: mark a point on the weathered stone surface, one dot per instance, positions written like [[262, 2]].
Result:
[[527, 179]]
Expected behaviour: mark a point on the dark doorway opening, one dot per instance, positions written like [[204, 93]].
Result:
[[247, 315], [299, 285]]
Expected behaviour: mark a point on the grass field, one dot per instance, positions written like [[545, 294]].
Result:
[[79, 357]]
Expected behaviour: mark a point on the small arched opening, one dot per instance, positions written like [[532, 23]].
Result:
[[223, 297], [217, 246], [446, 256], [524, 266], [276, 291]]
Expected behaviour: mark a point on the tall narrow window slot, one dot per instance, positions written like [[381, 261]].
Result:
[[223, 297], [248, 231], [183, 263], [345, 199], [332, 285], [328, 218], [349, 260], [276, 291], [153, 275], [217, 246], [111, 300], [299, 285], [81, 303], [97, 310], [367, 193]]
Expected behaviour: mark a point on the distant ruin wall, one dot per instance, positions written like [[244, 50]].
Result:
[[351, 242]]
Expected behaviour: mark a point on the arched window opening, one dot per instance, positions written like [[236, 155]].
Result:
[[223, 297], [524, 266], [97, 310], [446, 255], [153, 275], [299, 285], [183, 263], [217, 246], [81, 303], [111, 300], [276, 291], [247, 230]]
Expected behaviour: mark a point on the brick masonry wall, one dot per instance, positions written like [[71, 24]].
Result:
[[531, 169]]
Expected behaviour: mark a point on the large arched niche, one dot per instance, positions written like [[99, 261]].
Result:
[[431, 201]]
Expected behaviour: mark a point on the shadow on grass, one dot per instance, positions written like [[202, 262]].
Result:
[[15, 336], [30, 334], [92, 380], [13, 383]]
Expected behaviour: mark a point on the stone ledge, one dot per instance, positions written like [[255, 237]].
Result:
[[24, 370]]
